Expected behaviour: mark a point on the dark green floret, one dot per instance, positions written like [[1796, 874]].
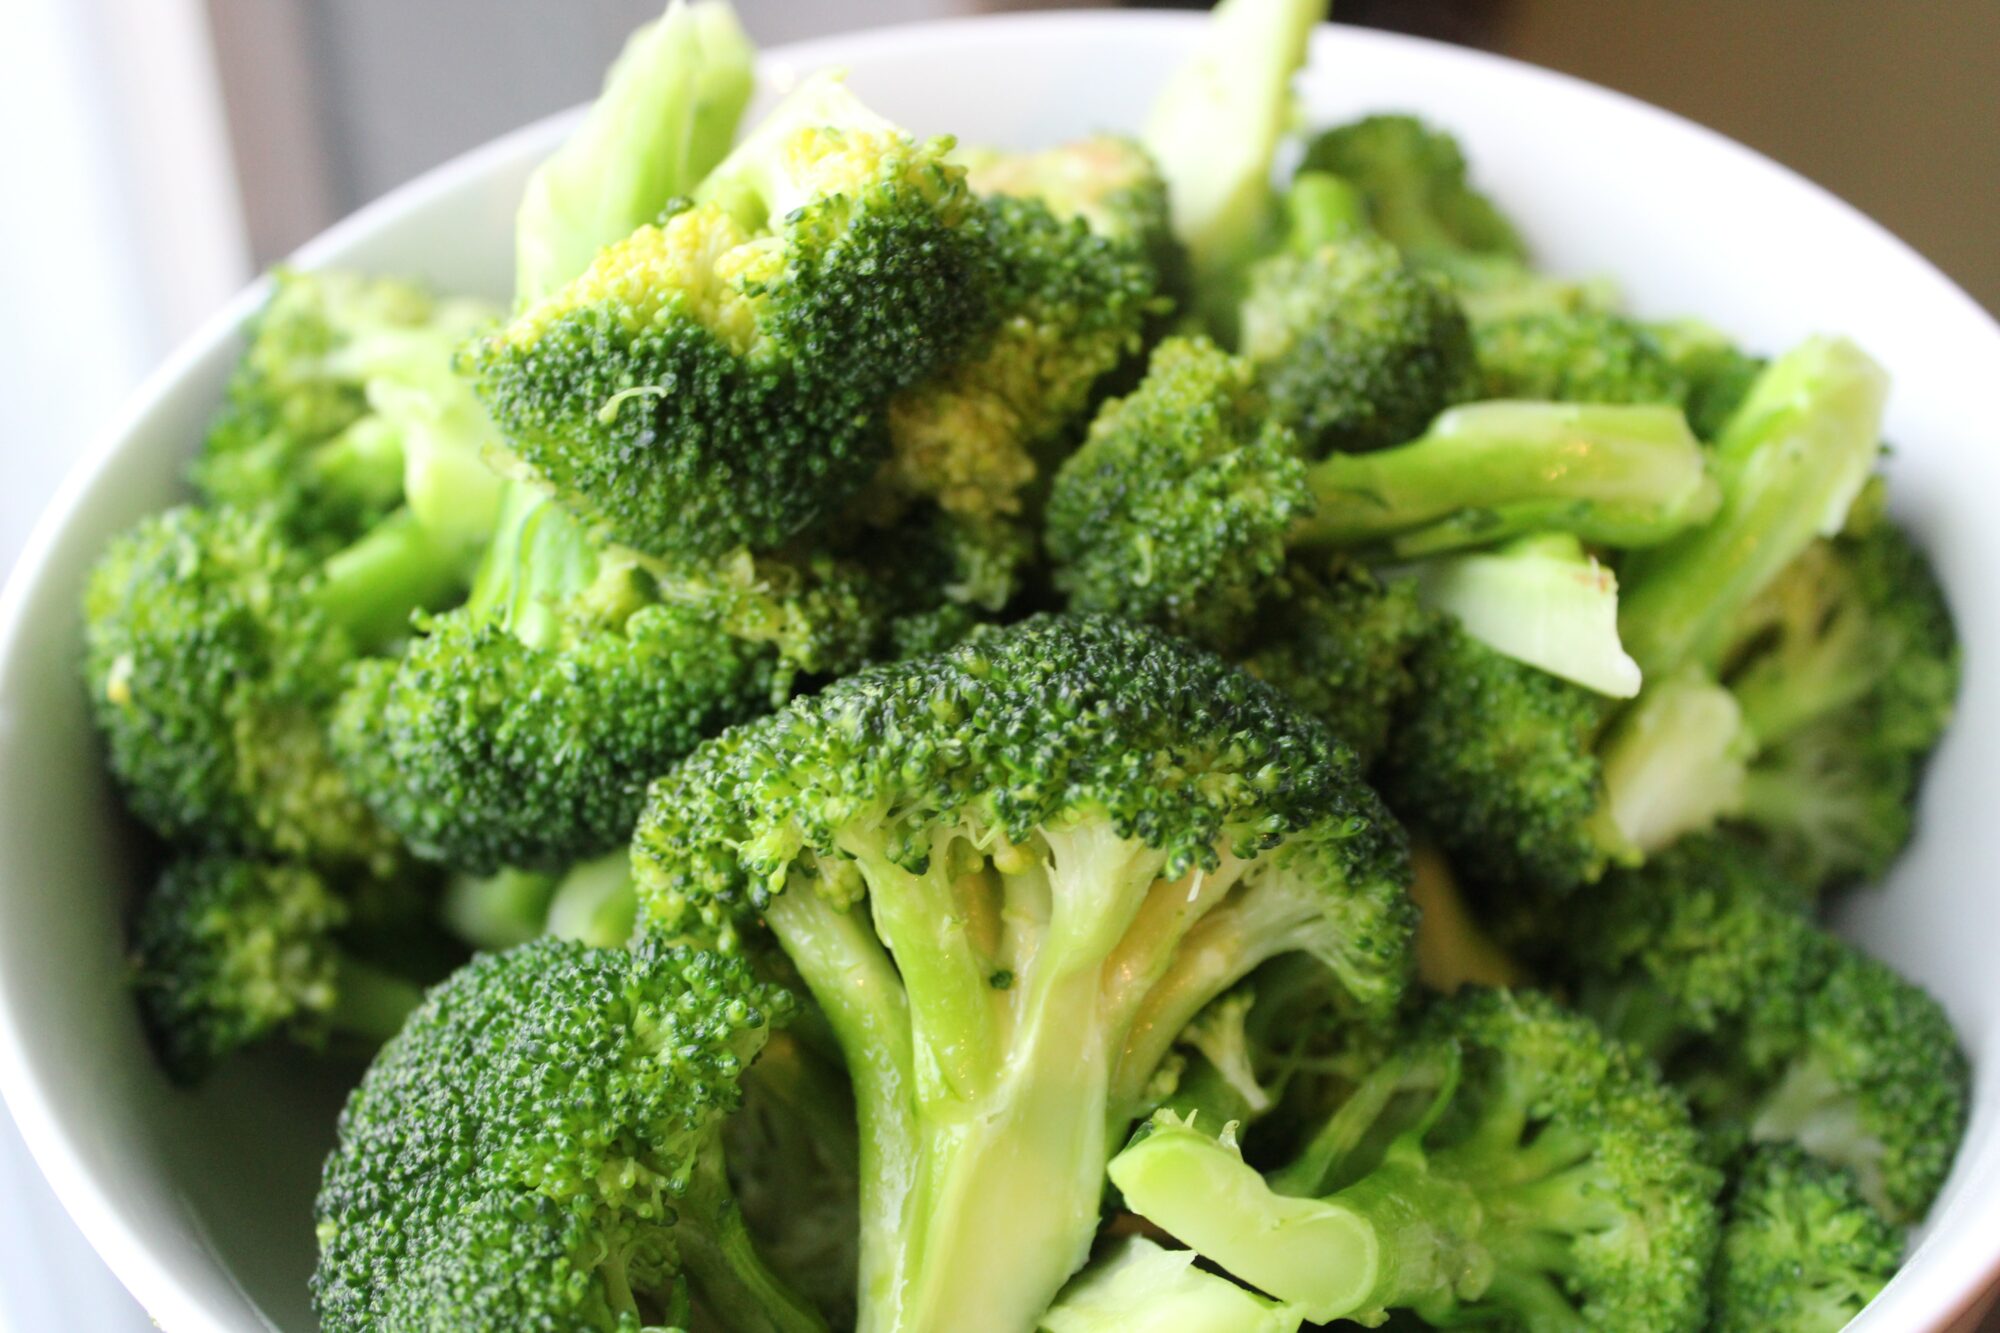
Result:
[[722, 378], [522, 729], [1581, 357], [1355, 349], [1118, 824], [1802, 1251], [1776, 1030], [1413, 180], [1507, 1163], [541, 1148], [228, 951], [1184, 501], [214, 650]]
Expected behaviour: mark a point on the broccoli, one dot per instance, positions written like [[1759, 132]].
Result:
[[344, 398], [1847, 669], [1141, 1287], [721, 378], [1576, 357], [1454, 947], [1802, 1251], [585, 1192], [1010, 876], [591, 902], [1718, 374], [1412, 180], [1185, 499], [1355, 349], [1507, 1163], [214, 650], [521, 729], [227, 951], [1777, 1031], [1543, 783]]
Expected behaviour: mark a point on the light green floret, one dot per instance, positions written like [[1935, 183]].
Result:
[[1011, 875], [214, 651], [721, 377], [1802, 1251], [345, 405], [228, 951], [1507, 1163], [1183, 502], [588, 1192]]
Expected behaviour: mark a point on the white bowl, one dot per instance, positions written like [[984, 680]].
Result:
[[201, 1202]]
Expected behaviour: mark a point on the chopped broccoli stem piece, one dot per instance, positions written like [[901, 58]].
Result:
[[1141, 1287]]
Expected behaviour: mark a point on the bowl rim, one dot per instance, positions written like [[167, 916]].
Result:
[[1959, 1265]]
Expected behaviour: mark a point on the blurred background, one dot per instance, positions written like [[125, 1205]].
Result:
[[162, 151]]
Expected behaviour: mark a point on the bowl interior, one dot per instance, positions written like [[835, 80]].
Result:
[[201, 1201]]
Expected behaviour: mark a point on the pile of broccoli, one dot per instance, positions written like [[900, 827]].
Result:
[[927, 737]]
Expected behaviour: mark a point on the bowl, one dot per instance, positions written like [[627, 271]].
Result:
[[201, 1201]]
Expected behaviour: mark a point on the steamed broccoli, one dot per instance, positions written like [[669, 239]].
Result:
[[1010, 876], [1507, 1163], [722, 377], [1776, 1030], [1413, 181], [1543, 783], [1585, 357], [1847, 669], [584, 1191], [213, 652], [1183, 503], [1802, 1251], [1141, 1287], [1355, 349], [227, 951]]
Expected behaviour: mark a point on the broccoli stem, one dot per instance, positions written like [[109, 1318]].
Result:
[[596, 903], [1616, 475], [540, 558], [1790, 461], [370, 1004], [364, 462], [734, 1285], [1674, 762], [500, 910], [371, 587]]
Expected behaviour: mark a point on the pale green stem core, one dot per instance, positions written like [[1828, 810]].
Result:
[[721, 1260], [369, 1003], [370, 588]]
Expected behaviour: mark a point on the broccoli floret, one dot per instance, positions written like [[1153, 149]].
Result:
[[1582, 357], [1338, 642], [1802, 1251], [1413, 179], [1717, 372], [1508, 1163], [1011, 875], [344, 392], [1542, 783], [522, 729], [228, 951], [435, 1206], [1355, 349], [213, 652], [1703, 959], [1141, 1287], [1847, 668], [1184, 501], [721, 378]]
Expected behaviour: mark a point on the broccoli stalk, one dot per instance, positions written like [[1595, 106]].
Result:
[[1141, 1287], [1010, 876], [1506, 1163]]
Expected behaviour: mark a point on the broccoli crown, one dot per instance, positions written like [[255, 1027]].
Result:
[[1339, 644], [1802, 1251], [1847, 668], [721, 378], [1506, 1162], [1071, 304], [298, 439], [577, 1176], [1497, 761], [210, 665], [1011, 874], [1576, 357], [1177, 508], [1355, 349], [1413, 179], [1773, 1027], [227, 951]]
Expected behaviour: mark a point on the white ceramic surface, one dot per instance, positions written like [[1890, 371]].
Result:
[[200, 1202]]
